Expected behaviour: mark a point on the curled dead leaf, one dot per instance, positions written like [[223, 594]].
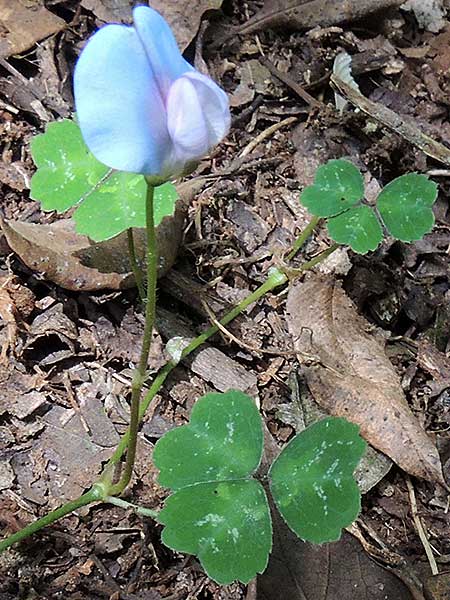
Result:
[[75, 262], [306, 14], [352, 377]]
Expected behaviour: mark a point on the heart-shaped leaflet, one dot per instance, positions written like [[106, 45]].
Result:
[[217, 511]]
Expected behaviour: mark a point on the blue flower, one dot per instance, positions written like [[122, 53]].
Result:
[[141, 107]]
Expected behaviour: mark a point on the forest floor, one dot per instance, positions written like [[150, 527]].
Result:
[[67, 356]]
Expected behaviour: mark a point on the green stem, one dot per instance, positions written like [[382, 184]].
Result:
[[140, 510], [313, 262], [274, 280], [134, 265], [94, 494], [140, 372], [303, 237]]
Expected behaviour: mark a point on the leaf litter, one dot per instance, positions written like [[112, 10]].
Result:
[[353, 378]]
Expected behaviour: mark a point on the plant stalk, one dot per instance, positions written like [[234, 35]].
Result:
[[94, 494], [274, 280], [303, 237], [140, 373], [102, 490]]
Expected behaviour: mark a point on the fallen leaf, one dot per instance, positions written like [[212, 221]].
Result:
[[74, 262], [254, 78], [19, 395], [437, 364], [302, 571], [183, 16], [75, 443], [352, 377], [25, 23], [303, 411], [6, 475], [301, 14], [110, 11], [51, 337]]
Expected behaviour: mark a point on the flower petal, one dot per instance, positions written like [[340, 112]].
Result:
[[119, 107], [216, 108], [161, 47], [198, 116]]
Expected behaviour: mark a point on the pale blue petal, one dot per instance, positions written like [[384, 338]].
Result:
[[119, 106], [198, 116], [161, 47], [215, 105], [185, 120]]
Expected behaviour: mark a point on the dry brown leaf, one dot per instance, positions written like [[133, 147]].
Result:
[[352, 377], [183, 16], [74, 262], [437, 587], [301, 14], [301, 571], [22, 24]]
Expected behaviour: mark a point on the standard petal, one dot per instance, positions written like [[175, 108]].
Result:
[[161, 47], [119, 106], [198, 116]]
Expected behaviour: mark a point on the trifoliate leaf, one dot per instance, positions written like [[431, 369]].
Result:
[[312, 480], [226, 524], [223, 440], [405, 206], [358, 227], [67, 171], [217, 512], [69, 174], [338, 185]]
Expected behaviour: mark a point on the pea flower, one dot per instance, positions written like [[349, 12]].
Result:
[[141, 107]]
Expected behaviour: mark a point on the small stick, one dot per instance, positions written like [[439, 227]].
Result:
[[419, 527], [265, 134], [387, 117], [297, 88]]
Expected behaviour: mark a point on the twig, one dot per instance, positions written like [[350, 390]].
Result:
[[419, 527], [387, 117], [266, 134], [239, 342], [297, 88]]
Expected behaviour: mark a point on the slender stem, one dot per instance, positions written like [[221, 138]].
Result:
[[313, 262], [140, 372], [134, 265], [303, 237], [274, 280], [140, 510], [94, 494]]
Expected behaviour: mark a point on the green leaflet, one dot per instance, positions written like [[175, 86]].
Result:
[[338, 185], [358, 227], [312, 480], [405, 205], [217, 512]]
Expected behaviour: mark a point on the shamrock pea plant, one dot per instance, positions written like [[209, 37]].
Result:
[[144, 117]]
